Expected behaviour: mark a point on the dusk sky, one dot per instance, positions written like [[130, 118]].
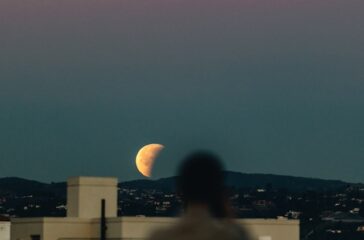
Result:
[[272, 86]]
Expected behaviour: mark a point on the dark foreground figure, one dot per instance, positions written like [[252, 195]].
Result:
[[200, 182]]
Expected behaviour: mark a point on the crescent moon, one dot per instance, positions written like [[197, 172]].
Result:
[[146, 157]]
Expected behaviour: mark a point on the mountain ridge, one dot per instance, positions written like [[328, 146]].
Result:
[[251, 180], [17, 185]]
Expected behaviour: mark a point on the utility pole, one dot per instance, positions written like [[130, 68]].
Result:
[[103, 226]]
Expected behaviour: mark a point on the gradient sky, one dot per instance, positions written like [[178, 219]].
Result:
[[272, 86]]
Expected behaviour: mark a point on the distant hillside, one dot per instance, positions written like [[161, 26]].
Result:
[[245, 180], [19, 186], [167, 184]]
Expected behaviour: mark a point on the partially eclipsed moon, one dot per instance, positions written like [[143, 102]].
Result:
[[146, 157]]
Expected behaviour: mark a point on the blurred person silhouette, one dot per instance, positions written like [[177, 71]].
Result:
[[200, 182]]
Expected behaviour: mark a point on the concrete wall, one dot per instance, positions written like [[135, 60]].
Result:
[[136, 227], [84, 196], [128, 228], [4, 230], [272, 229], [22, 229], [260, 229], [53, 228]]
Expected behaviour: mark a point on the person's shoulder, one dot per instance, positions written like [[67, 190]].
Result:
[[210, 229], [235, 230], [157, 235], [164, 234]]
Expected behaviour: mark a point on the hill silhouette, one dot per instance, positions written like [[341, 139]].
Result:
[[20, 186], [249, 180]]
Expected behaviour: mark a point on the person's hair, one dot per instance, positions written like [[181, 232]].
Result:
[[201, 180]]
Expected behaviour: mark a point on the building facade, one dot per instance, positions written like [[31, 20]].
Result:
[[4, 228], [84, 221]]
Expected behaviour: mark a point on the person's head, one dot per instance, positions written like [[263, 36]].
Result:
[[201, 181]]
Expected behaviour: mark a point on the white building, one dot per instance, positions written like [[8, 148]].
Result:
[[4, 228], [84, 210]]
